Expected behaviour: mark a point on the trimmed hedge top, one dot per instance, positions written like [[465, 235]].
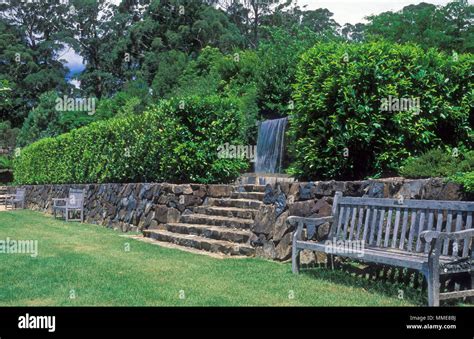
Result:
[[175, 141]]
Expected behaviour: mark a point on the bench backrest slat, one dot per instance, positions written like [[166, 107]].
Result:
[[429, 227], [388, 227], [366, 224], [403, 233], [346, 222], [398, 224], [467, 243], [449, 221], [360, 222], [396, 227], [353, 221], [20, 193], [381, 220], [421, 228], [413, 226], [335, 213], [373, 226], [76, 198]]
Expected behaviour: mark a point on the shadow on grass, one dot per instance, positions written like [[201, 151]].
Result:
[[343, 275]]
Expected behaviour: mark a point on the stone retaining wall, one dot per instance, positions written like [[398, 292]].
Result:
[[129, 207], [314, 199], [138, 206]]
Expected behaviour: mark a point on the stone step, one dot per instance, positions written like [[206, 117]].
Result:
[[201, 243], [214, 220], [248, 195], [212, 232], [239, 203], [249, 188], [231, 212]]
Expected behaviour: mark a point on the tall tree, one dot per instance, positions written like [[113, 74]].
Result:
[[448, 28], [90, 20], [31, 35]]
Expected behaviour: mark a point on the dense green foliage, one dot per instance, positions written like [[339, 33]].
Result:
[[466, 180], [345, 123], [30, 40], [139, 52], [47, 121], [438, 163], [445, 27], [175, 141], [454, 165], [5, 162]]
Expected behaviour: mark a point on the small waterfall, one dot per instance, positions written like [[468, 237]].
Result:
[[270, 143]]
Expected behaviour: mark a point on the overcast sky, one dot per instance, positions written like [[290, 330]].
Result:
[[354, 11], [345, 11]]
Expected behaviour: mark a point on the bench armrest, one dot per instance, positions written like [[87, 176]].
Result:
[[435, 240], [428, 236]]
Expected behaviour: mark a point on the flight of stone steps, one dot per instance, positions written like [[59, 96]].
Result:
[[222, 225]]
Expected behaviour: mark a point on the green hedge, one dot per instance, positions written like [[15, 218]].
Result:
[[466, 180], [454, 165], [438, 163], [339, 129], [175, 141]]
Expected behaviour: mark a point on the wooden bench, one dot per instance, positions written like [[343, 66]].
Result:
[[75, 202], [430, 236], [17, 198]]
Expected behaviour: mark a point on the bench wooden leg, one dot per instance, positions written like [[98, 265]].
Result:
[[295, 259], [432, 279], [67, 214]]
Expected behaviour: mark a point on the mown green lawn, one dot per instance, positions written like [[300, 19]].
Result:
[[81, 264]]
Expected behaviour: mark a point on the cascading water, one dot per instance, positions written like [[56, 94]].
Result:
[[270, 143]]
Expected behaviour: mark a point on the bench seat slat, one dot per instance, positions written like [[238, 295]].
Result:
[[378, 255]]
